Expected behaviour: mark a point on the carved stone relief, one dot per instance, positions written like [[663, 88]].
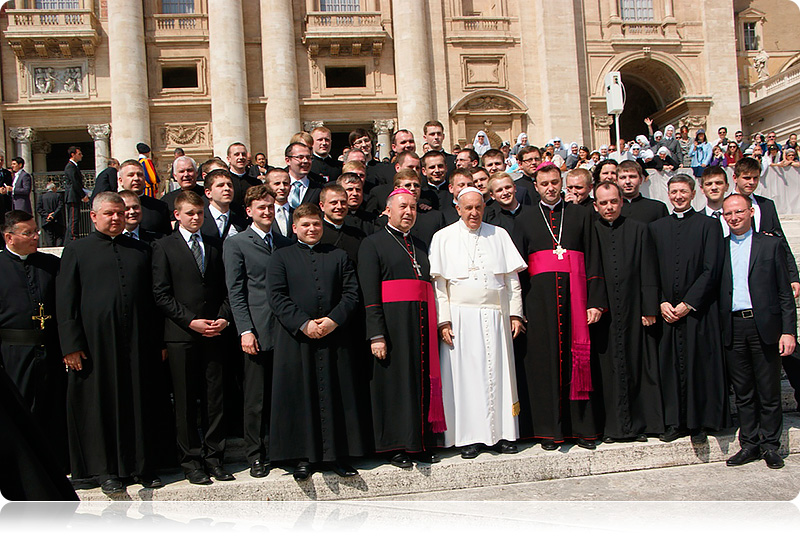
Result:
[[484, 71], [56, 80], [489, 102], [185, 134]]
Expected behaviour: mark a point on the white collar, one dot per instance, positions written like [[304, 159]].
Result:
[[390, 226], [333, 224], [681, 215], [261, 234], [135, 232], [551, 207], [216, 213], [188, 236], [22, 257]]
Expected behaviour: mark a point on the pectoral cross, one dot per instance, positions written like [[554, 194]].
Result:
[[42, 317], [417, 269], [560, 252]]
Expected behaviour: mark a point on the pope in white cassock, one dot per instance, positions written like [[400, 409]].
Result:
[[474, 269]]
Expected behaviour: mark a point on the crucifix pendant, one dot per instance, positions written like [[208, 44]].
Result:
[[41, 317], [417, 269], [560, 252]]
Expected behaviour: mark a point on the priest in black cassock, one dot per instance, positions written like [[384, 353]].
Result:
[[693, 384], [565, 294], [313, 292], [624, 338], [333, 202], [111, 336], [29, 348], [636, 206]]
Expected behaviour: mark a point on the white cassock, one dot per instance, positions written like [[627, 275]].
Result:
[[477, 290]]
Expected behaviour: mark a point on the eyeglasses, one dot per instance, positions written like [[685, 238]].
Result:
[[739, 212], [28, 234], [301, 157]]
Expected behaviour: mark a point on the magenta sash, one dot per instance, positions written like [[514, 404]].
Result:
[[573, 264], [404, 290]]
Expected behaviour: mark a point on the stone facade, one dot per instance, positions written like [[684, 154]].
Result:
[[257, 71]]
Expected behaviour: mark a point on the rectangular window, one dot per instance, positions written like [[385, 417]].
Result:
[[177, 7], [637, 10], [340, 5], [345, 77], [750, 37], [58, 4], [179, 77]]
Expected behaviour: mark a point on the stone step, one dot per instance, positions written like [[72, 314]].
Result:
[[378, 479]]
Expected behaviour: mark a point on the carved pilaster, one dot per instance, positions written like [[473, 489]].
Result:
[[22, 134], [308, 126], [101, 131], [383, 126]]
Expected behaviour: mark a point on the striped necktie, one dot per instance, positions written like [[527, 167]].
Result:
[[197, 252]]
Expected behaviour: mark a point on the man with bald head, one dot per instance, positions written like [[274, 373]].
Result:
[[474, 267]]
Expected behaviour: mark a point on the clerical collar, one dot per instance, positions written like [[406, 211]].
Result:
[[681, 215], [240, 175], [398, 231], [261, 234], [437, 186], [20, 257], [615, 223], [551, 207], [309, 246], [513, 211], [329, 222], [632, 199], [742, 237]]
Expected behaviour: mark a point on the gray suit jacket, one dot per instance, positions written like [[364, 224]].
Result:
[[247, 261], [21, 195]]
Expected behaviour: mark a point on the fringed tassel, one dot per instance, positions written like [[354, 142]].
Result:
[[436, 410], [581, 384]]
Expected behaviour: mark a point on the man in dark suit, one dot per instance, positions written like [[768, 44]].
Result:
[[184, 171], [74, 194], [279, 184], [21, 186], [50, 207], [133, 218], [106, 181], [247, 256], [759, 324], [189, 289], [220, 219], [302, 189], [154, 211], [5, 192]]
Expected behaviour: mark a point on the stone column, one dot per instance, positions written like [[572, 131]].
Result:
[[669, 9], [100, 134], [227, 75], [602, 133], [24, 136], [40, 151], [413, 63], [384, 127], [130, 106], [279, 64]]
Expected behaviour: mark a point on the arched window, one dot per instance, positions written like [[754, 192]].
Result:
[[637, 9]]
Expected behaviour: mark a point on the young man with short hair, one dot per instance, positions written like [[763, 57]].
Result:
[[322, 163], [219, 218], [279, 184], [457, 181], [714, 184], [629, 176], [333, 202]]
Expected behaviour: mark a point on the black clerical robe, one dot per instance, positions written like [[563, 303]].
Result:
[[428, 222], [328, 168], [362, 219], [114, 321], [628, 351], [315, 414], [345, 237], [545, 372], [30, 355], [693, 383], [643, 209], [400, 384]]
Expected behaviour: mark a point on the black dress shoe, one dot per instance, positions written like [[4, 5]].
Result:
[[302, 471], [111, 485], [742, 457], [426, 456], [343, 470], [506, 447], [220, 473], [671, 434], [699, 436], [259, 469], [641, 438], [401, 460], [609, 439], [585, 443], [470, 451], [773, 459], [549, 444], [148, 481], [199, 477]]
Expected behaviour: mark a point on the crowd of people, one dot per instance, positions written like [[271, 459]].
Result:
[[327, 310]]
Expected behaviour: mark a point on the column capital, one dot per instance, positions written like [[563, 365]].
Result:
[[308, 126], [100, 131], [42, 147], [602, 121], [22, 134], [383, 126]]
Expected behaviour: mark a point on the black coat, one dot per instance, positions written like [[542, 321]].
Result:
[[770, 223], [155, 215], [106, 181], [51, 203], [327, 168], [643, 209], [73, 184], [209, 227]]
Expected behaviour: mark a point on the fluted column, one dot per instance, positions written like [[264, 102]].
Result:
[[279, 64], [41, 149], [228, 75], [24, 136], [100, 134], [130, 107], [412, 65], [383, 128]]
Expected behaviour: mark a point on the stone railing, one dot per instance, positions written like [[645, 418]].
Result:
[[480, 24], [775, 83], [188, 24], [643, 29], [41, 178], [45, 19], [328, 20]]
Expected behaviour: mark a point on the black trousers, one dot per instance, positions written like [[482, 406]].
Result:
[[755, 372], [73, 222], [53, 235], [791, 366], [257, 397], [197, 373]]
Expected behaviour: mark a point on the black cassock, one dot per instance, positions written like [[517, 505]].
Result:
[[644, 209], [693, 383], [105, 306], [346, 237], [400, 384], [315, 413], [32, 357], [628, 351], [544, 373]]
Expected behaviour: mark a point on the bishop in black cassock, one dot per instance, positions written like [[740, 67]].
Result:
[[624, 338], [549, 411], [690, 253], [113, 322]]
